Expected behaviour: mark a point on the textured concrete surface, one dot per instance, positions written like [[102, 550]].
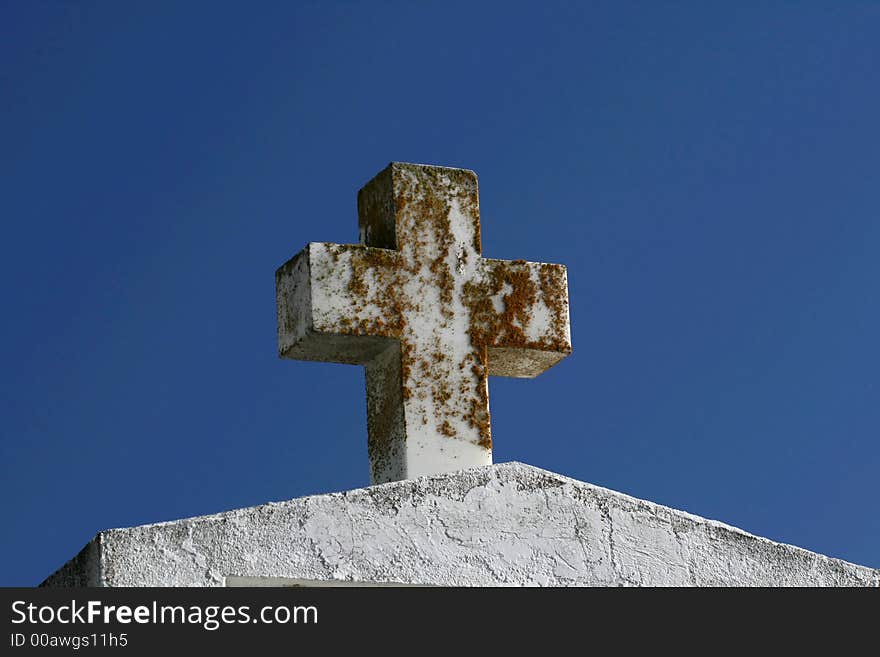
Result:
[[505, 524], [429, 318]]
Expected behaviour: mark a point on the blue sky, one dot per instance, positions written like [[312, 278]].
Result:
[[707, 171]]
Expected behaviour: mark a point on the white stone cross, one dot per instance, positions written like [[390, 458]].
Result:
[[426, 314]]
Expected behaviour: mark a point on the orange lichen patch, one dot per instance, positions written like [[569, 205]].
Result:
[[554, 292], [446, 429], [397, 321], [401, 201], [356, 284], [491, 328], [371, 303], [427, 194], [518, 303], [514, 279], [478, 239], [464, 184], [445, 282], [406, 360], [482, 313], [335, 250], [478, 416], [382, 263], [440, 392]]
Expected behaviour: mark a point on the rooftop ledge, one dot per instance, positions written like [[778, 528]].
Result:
[[507, 524]]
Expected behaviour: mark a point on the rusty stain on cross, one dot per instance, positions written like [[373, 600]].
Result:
[[428, 317]]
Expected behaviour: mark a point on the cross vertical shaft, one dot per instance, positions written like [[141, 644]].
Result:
[[430, 216]]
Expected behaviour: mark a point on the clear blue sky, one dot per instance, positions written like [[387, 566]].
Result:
[[709, 173]]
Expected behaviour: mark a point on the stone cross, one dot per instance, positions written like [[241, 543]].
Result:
[[426, 314]]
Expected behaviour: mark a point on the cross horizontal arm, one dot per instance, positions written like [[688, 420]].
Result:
[[333, 306], [519, 311]]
